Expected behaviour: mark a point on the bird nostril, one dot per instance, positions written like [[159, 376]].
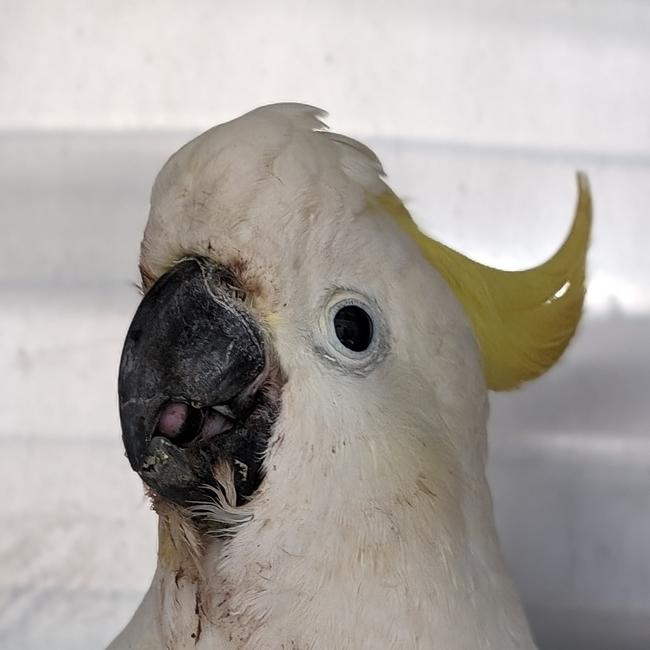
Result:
[[179, 423]]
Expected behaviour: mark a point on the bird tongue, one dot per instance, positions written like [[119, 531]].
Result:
[[172, 418], [181, 423]]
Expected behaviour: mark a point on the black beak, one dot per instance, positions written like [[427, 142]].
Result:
[[190, 368]]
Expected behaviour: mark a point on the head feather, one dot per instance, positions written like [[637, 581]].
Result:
[[523, 320]]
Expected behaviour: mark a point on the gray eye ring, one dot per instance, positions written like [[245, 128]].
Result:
[[364, 319]]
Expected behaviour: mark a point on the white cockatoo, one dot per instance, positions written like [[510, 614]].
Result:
[[304, 391]]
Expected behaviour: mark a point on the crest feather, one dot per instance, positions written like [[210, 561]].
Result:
[[523, 320]]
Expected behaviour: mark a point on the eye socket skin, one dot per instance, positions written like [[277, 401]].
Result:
[[353, 331], [353, 327]]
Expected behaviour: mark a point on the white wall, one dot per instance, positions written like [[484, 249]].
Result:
[[560, 74]]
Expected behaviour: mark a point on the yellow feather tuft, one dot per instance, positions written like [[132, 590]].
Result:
[[523, 320]]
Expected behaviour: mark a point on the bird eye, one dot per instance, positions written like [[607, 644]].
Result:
[[353, 327], [355, 332]]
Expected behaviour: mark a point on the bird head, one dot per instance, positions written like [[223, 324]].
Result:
[[298, 328]]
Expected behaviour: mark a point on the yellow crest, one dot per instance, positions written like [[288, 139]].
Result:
[[523, 320]]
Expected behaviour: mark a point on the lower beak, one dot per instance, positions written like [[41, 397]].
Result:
[[191, 362]]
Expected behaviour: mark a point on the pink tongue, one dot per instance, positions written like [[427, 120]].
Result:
[[172, 418]]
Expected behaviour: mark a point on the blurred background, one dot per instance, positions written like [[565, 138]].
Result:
[[481, 111]]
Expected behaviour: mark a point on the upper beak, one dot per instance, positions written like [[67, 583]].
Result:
[[190, 347]]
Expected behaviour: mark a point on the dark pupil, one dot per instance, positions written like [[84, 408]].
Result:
[[353, 327]]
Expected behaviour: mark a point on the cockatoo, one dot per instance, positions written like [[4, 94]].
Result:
[[303, 389]]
